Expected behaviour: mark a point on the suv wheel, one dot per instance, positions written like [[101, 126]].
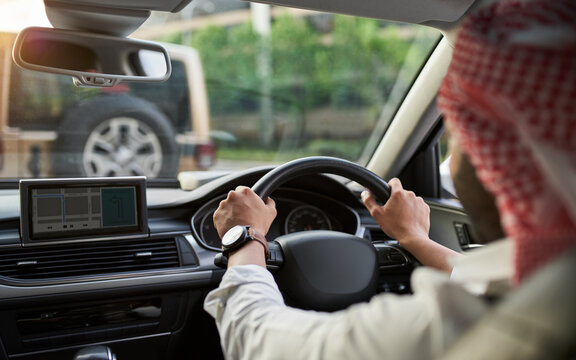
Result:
[[116, 136]]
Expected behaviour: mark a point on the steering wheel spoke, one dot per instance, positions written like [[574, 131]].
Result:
[[274, 263]]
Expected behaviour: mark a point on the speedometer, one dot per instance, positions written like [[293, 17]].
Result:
[[304, 218], [208, 232]]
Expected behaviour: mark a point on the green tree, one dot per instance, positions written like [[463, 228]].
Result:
[[350, 64], [354, 65]]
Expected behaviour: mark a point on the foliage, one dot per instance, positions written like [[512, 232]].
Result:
[[349, 150], [353, 65], [272, 92]]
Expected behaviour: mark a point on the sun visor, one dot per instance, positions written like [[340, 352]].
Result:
[[409, 11], [110, 21], [111, 17], [152, 5]]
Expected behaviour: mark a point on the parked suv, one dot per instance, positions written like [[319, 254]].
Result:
[[58, 129]]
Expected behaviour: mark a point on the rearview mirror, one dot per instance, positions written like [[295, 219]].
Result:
[[91, 59]]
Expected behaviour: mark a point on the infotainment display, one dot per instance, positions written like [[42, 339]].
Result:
[[64, 210]]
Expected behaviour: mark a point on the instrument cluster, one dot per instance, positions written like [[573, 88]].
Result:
[[297, 211]]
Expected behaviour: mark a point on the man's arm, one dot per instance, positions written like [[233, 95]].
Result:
[[406, 218], [254, 323], [244, 207]]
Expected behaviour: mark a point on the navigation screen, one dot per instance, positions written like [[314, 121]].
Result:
[[73, 209], [83, 208]]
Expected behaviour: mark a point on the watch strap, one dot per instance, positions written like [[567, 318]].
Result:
[[256, 236]]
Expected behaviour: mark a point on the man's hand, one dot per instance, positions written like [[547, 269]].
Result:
[[406, 218], [244, 207]]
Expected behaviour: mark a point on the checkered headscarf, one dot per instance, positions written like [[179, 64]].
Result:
[[510, 100]]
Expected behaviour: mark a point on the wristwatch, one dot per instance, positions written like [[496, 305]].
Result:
[[238, 236]]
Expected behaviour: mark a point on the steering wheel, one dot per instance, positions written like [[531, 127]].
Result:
[[324, 270]]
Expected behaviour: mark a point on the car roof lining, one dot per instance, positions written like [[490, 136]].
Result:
[[122, 17]]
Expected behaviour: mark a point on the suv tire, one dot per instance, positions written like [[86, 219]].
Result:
[[115, 135]]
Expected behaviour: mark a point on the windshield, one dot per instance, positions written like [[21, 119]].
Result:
[[251, 85]]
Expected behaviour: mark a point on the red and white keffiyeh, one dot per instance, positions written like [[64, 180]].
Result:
[[509, 98]]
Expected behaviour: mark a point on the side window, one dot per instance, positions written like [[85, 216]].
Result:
[[446, 182]]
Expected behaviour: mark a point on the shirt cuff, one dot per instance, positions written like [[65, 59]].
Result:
[[262, 286]]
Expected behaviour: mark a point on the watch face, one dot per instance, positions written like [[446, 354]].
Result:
[[232, 235]]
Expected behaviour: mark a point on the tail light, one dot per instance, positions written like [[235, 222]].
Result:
[[205, 155]]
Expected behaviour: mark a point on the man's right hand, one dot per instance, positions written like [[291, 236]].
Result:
[[244, 207]]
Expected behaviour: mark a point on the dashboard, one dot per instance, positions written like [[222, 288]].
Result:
[[141, 292]]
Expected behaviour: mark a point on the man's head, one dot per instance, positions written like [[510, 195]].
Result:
[[510, 100]]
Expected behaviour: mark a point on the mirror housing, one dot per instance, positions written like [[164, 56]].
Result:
[[93, 60]]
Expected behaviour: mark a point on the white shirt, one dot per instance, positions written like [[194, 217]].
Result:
[[254, 323]]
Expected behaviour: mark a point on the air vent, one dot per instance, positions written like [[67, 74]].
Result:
[[88, 259]]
